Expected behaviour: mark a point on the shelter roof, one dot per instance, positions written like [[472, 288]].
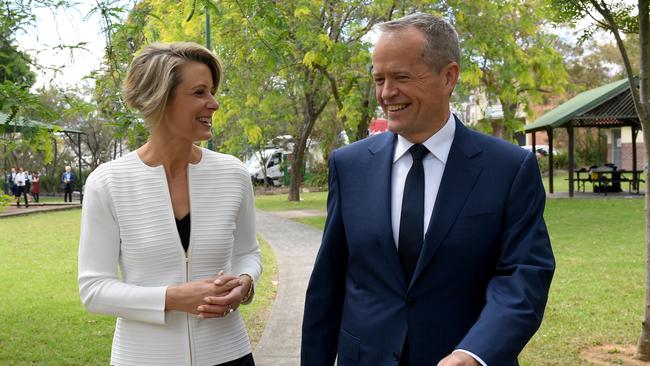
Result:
[[607, 106], [19, 124]]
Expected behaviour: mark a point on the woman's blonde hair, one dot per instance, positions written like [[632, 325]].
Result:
[[154, 75]]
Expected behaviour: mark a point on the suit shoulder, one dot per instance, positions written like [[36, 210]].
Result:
[[364, 145], [495, 146]]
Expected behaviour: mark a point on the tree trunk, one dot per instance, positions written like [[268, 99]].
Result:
[[643, 346], [497, 128], [312, 108], [643, 110]]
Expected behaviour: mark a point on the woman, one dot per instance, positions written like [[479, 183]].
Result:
[[177, 219], [36, 186]]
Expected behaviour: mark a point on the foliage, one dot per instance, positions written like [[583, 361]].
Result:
[[73, 336], [591, 148], [294, 58], [508, 55], [4, 201], [317, 178]]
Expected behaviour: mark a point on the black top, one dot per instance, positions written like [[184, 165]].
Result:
[[183, 226]]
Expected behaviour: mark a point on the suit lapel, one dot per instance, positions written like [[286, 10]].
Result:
[[458, 179], [379, 189]]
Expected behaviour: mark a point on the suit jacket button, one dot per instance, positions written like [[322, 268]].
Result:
[[410, 302], [396, 356]]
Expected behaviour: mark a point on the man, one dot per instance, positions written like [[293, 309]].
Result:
[[434, 251], [21, 188], [11, 178], [67, 180]]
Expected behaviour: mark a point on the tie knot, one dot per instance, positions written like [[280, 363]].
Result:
[[418, 151]]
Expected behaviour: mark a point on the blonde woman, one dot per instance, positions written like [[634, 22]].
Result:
[[177, 220]]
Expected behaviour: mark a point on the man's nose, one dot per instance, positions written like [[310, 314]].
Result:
[[389, 90]]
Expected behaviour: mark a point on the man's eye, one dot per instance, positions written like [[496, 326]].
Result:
[[199, 92], [379, 81]]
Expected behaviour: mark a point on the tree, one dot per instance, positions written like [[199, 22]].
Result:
[[618, 18], [508, 54], [303, 54]]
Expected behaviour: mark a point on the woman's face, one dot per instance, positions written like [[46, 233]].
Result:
[[188, 114]]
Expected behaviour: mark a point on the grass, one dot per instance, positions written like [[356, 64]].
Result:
[[42, 321], [597, 292], [257, 312], [308, 201]]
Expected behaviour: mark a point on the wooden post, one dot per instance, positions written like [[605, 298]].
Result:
[[635, 178], [550, 159], [571, 167]]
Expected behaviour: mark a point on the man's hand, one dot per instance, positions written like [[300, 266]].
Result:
[[458, 359]]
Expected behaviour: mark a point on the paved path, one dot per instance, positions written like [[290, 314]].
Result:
[[33, 208], [295, 246]]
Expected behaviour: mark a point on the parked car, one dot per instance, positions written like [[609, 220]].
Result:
[[274, 174], [542, 150]]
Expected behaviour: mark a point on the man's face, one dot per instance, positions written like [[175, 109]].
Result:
[[414, 97]]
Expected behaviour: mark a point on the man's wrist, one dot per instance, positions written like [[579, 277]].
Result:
[[475, 357]]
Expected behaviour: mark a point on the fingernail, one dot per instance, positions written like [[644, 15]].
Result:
[[200, 308], [241, 282], [200, 315], [218, 282], [220, 273], [206, 299]]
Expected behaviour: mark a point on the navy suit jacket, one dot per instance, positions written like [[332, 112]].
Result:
[[483, 275]]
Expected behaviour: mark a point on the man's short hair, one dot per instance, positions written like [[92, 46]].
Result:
[[441, 46], [155, 73]]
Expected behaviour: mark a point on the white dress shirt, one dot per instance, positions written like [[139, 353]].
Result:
[[434, 166]]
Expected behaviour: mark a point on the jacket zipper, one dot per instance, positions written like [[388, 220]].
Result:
[[188, 315], [187, 266]]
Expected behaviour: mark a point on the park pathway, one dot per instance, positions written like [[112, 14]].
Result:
[[295, 246]]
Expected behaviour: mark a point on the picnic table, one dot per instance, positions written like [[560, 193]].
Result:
[[606, 179]]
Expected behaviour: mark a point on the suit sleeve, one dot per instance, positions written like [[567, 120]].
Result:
[[326, 289], [516, 295]]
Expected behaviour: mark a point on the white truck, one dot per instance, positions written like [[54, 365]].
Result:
[[274, 173]]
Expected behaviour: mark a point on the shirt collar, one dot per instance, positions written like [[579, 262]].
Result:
[[439, 144]]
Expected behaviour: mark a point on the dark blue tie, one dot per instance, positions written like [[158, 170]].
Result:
[[411, 224]]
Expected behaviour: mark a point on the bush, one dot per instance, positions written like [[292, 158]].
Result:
[[560, 160], [317, 178], [4, 201], [542, 162]]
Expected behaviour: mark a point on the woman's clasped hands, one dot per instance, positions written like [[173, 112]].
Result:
[[209, 298]]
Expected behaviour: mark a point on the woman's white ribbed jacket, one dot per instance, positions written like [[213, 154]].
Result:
[[127, 219]]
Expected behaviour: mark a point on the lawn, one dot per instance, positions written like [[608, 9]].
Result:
[[597, 292], [279, 202], [42, 321]]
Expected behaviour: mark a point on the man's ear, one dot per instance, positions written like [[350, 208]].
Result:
[[450, 74]]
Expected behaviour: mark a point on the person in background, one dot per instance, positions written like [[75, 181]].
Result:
[[36, 186], [176, 220], [28, 184], [21, 189], [11, 178], [67, 180]]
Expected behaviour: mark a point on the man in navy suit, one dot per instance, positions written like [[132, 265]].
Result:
[[449, 265]]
